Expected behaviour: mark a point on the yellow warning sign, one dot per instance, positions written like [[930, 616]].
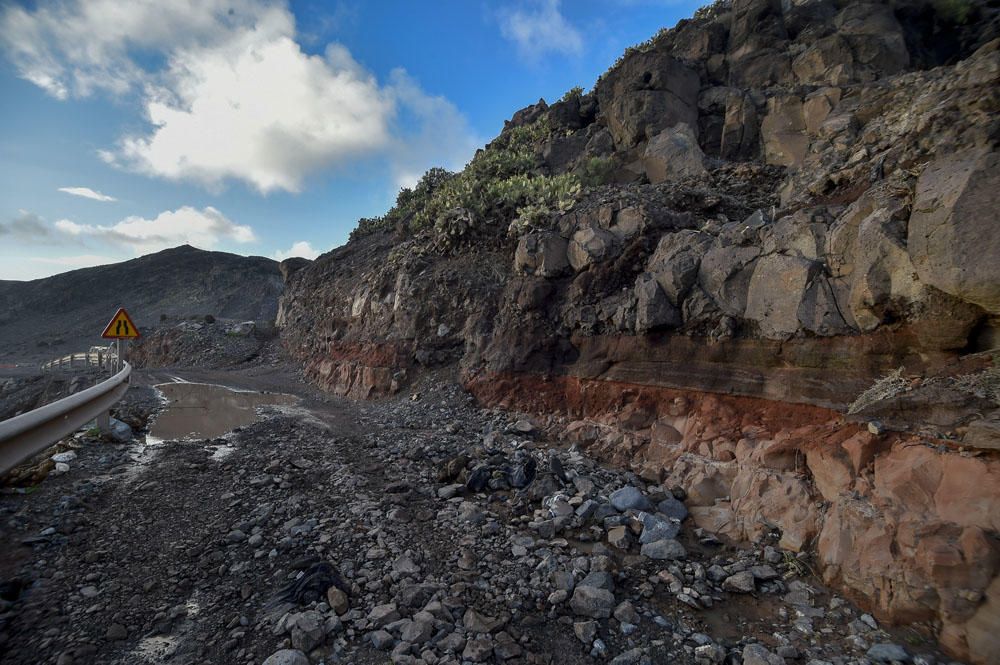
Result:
[[121, 326]]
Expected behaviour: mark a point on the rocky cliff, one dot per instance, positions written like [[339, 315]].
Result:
[[758, 260]]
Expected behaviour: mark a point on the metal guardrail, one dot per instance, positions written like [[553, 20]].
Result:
[[30, 433], [97, 356]]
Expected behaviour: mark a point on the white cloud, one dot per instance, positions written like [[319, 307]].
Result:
[[78, 47], [204, 228], [229, 93], [539, 29], [299, 249], [87, 193], [442, 135], [260, 110]]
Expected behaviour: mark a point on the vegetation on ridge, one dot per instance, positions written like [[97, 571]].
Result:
[[502, 185]]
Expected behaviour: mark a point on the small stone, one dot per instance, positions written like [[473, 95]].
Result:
[[478, 649], [381, 615], [558, 597], [524, 426], [405, 566], [417, 632], [505, 648], [585, 631], [116, 632], [764, 573], [664, 550], [885, 652], [625, 612], [655, 528], [337, 600], [629, 497], [619, 537], [286, 657], [601, 579], [740, 583], [480, 623], [630, 657], [673, 508], [592, 602], [381, 640], [711, 653], [755, 654]]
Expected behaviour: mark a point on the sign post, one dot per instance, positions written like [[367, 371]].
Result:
[[119, 328]]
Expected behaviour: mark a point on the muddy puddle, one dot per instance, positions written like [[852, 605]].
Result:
[[206, 411]]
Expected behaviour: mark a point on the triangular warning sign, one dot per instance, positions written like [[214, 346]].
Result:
[[121, 326]]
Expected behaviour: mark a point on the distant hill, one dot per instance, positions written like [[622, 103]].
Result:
[[68, 311]]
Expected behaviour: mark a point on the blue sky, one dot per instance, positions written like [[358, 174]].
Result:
[[128, 126]]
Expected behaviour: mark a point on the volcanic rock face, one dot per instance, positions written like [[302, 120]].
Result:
[[799, 198]]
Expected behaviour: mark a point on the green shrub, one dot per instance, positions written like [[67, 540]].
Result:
[[573, 93], [597, 171], [500, 183]]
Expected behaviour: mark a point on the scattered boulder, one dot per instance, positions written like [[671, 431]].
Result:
[[672, 154]]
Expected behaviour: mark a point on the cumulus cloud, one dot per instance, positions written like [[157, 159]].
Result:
[[87, 193], [228, 92], [539, 28], [259, 110], [300, 249], [203, 228], [442, 135], [79, 47]]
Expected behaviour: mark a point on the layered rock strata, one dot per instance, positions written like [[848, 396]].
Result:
[[795, 236]]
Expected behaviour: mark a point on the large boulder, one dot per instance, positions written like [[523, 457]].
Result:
[[741, 128], [725, 272], [827, 61], [590, 245], [953, 237], [672, 154], [542, 253], [653, 309], [788, 294], [783, 131], [675, 262], [645, 94], [875, 37]]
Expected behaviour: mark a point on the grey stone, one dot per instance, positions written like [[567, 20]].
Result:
[[673, 508], [287, 657], [664, 550], [600, 579], [478, 649], [741, 582], [885, 652], [381, 640], [629, 497], [585, 631], [655, 528], [672, 154], [755, 654], [592, 602]]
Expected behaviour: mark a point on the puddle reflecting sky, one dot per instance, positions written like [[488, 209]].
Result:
[[206, 411]]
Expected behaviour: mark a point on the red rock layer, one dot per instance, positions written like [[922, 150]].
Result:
[[902, 524]]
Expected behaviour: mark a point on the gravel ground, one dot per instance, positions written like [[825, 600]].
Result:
[[341, 532]]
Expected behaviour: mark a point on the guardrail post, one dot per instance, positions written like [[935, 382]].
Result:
[[104, 422]]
